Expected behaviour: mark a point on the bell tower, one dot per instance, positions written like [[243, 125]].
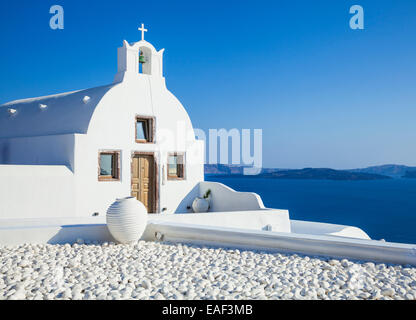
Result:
[[139, 59]]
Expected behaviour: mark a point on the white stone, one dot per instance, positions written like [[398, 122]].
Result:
[[142, 272], [389, 292], [345, 263], [364, 295]]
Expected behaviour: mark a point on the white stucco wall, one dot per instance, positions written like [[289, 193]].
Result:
[[113, 128], [38, 150], [329, 229], [224, 198], [41, 191], [321, 245], [273, 219]]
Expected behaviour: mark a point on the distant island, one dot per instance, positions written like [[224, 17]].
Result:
[[391, 170], [371, 173]]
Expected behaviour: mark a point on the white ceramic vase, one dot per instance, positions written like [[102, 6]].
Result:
[[200, 205], [127, 220]]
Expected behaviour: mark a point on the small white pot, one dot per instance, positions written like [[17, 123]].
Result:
[[127, 220], [200, 205]]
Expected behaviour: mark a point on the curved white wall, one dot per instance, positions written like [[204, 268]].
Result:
[[113, 128], [329, 229], [65, 113], [224, 198]]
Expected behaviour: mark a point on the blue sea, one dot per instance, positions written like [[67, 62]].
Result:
[[384, 209]]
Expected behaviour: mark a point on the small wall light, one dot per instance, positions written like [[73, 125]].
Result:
[[86, 99], [12, 111]]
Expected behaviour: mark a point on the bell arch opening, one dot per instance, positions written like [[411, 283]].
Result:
[[145, 60]]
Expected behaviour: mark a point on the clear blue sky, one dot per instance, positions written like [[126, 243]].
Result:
[[324, 95]]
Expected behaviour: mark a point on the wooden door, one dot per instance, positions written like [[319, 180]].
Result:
[[143, 180]]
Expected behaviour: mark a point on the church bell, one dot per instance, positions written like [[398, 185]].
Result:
[[141, 58]]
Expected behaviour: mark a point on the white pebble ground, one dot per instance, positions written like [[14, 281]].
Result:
[[150, 270]]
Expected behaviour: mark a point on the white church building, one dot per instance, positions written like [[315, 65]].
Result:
[[65, 158], [72, 154]]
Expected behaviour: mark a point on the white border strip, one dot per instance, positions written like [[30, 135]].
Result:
[[339, 247]]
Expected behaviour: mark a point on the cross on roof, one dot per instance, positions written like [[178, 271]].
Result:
[[143, 30]]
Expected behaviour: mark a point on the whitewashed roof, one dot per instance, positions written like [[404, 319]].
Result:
[[63, 113]]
